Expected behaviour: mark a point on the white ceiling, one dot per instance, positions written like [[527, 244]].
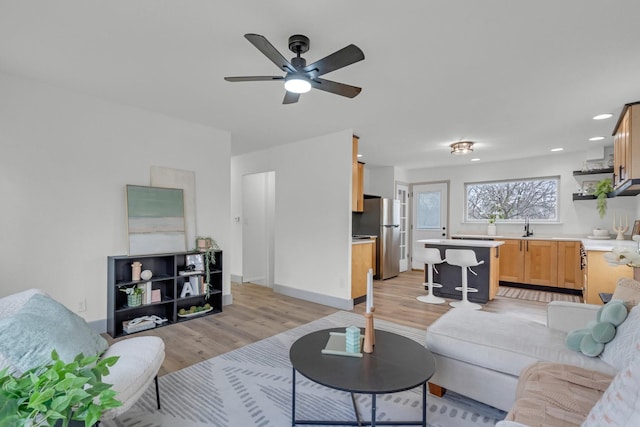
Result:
[[518, 77]]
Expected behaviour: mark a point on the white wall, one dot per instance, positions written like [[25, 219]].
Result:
[[255, 246], [64, 162], [380, 181], [576, 217], [312, 252]]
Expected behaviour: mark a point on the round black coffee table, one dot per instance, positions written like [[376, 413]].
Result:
[[396, 364]]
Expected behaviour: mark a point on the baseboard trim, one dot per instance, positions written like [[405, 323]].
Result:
[[236, 278], [342, 304]]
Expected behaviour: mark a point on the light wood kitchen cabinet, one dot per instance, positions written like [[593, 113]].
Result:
[[602, 277], [357, 179], [626, 146], [532, 262], [512, 261], [362, 255], [570, 275]]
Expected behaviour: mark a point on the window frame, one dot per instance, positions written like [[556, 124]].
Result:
[[555, 220]]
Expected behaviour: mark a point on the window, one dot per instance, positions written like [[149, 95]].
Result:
[[428, 211], [533, 198]]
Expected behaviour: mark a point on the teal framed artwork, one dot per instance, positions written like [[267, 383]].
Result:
[[155, 220]]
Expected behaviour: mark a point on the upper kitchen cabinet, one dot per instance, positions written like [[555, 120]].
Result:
[[357, 179], [626, 151]]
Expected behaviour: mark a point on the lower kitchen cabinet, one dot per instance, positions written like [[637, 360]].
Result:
[[570, 274], [554, 263], [533, 262], [602, 277], [362, 259]]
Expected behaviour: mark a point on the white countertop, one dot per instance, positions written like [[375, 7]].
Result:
[[569, 238], [607, 245], [362, 241], [461, 242]]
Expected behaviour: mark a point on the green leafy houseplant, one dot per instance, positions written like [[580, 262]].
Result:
[[207, 245], [601, 190], [57, 392]]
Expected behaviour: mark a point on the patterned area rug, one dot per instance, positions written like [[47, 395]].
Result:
[[251, 386], [533, 295]]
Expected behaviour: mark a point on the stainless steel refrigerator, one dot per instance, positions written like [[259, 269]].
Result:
[[381, 217]]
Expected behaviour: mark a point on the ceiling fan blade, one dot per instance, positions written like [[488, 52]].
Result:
[[345, 56], [263, 45], [253, 78], [335, 87], [290, 98]]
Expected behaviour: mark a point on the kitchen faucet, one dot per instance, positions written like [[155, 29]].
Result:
[[527, 230]]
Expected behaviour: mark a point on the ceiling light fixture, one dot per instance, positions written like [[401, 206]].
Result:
[[596, 138], [297, 84], [359, 155], [475, 159], [462, 147], [602, 116], [557, 149]]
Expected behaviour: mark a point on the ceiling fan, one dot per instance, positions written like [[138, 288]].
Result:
[[300, 77]]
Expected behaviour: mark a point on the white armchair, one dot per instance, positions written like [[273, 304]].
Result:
[[140, 357]]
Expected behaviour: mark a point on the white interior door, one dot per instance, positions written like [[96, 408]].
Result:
[[402, 194], [429, 216]]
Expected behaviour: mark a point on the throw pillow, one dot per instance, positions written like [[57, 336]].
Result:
[[625, 345], [592, 339], [620, 403], [42, 325], [627, 290]]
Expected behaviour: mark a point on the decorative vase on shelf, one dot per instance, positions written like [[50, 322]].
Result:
[[491, 229], [136, 267], [134, 300]]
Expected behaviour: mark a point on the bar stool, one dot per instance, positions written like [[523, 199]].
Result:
[[431, 258], [465, 259]]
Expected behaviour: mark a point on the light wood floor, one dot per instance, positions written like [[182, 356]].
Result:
[[258, 313]]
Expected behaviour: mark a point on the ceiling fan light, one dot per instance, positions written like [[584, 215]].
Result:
[[462, 147], [297, 84]]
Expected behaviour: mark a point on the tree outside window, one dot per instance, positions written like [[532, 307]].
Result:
[[533, 198]]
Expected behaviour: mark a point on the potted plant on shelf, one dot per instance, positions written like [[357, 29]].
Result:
[[134, 296], [207, 245], [601, 190], [57, 393]]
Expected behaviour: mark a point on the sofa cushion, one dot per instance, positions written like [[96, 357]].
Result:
[[627, 290], [552, 394], [503, 343], [41, 325], [620, 403], [624, 346]]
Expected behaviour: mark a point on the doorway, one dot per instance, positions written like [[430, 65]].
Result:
[[402, 195], [258, 228], [429, 216]]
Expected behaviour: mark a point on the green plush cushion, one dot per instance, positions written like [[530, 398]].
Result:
[[574, 338], [603, 332], [615, 312], [589, 346], [42, 325]]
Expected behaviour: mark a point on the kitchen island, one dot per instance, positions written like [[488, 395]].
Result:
[[449, 276]]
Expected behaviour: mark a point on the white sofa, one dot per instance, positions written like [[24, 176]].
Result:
[[140, 357], [482, 355]]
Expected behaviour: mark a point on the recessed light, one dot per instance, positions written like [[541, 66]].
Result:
[[557, 149], [475, 159], [602, 116], [359, 155], [596, 138]]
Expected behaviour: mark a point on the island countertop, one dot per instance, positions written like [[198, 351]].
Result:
[[461, 242]]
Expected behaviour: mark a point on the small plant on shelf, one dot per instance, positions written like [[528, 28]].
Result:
[[207, 245], [134, 295], [601, 190]]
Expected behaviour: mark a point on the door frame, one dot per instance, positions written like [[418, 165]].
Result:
[[406, 226]]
